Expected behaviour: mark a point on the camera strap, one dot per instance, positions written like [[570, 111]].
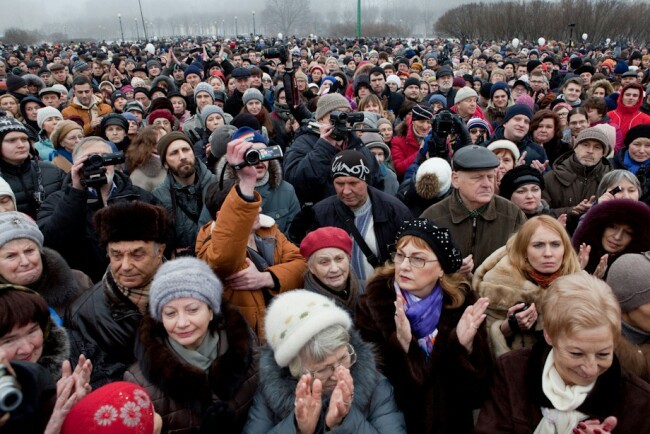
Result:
[[350, 227]]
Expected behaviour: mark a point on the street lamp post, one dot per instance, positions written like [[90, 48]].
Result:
[[223, 28], [144, 26], [137, 30], [236, 31], [119, 17], [254, 33]]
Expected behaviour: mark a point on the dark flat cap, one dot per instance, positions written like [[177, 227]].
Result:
[[444, 71], [240, 73], [474, 157]]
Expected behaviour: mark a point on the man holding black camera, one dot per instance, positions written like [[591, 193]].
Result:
[[65, 218], [308, 161]]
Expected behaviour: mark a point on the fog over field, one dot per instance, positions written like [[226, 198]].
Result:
[[99, 19]]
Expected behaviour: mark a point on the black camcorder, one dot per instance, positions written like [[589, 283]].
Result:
[[94, 168], [277, 52], [342, 123], [253, 157]]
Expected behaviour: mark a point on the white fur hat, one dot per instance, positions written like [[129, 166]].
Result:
[[439, 167], [507, 145], [294, 317]]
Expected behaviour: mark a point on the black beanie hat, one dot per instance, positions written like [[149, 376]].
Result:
[[515, 178], [377, 70], [114, 119], [411, 81], [637, 132], [351, 163], [15, 82]]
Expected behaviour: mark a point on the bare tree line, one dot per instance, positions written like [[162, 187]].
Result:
[[600, 20]]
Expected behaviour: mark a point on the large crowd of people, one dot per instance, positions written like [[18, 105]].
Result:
[[311, 235]]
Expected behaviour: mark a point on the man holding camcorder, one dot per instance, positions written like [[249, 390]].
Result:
[[66, 217]]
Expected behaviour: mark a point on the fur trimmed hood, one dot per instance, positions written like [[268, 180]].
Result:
[[187, 384], [170, 83], [279, 388], [275, 171], [56, 350], [633, 213], [58, 284]]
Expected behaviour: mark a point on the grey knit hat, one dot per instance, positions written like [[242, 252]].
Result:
[[211, 109], [330, 102], [15, 225], [184, 278], [204, 87], [629, 278], [45, 113], [597, 134], [251, 94], [219, 139]]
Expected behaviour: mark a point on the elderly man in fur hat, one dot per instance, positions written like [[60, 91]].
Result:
[[104, 320]]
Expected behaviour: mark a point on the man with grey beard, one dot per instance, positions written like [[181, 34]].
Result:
[[445, 79]]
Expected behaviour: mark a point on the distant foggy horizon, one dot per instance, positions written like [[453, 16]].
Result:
[[93, 19]]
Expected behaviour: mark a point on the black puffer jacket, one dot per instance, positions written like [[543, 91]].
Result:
[[388, 214], [307, 166], [25, 179], [66, 220], [102, 324]]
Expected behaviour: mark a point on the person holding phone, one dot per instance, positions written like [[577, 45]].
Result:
[[516, 276]]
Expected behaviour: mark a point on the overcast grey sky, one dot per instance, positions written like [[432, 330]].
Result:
[[80, 17]]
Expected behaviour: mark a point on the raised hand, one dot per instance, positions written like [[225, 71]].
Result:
[[308, 404], [583, 255], [402, 325], [469, 323], [341, 400]]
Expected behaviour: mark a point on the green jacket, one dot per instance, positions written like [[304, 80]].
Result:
[[184, 207]]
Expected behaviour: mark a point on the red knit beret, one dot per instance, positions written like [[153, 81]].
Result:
[[325, 237], [118, 407], [161, 113]]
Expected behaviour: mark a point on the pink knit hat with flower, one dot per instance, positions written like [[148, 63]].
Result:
[[118, 408]]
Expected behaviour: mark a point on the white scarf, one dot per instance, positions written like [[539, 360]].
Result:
[[563, 418]]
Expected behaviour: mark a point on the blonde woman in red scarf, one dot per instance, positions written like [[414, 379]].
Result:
[[515, 277]]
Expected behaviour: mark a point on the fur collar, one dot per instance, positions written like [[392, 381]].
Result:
[[56, 350], [496, 280], [187, 384], [275, 171], [57, 283], [278, 387]]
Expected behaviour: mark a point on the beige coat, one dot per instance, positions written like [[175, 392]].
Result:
[[497, 279]]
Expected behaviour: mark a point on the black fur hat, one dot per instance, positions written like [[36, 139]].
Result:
[[132, 221]]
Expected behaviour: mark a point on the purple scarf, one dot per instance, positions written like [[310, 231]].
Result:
[[423, 315]]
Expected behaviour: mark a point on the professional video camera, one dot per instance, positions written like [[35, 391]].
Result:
[[443, 125], [94, 168], [11, 395], [278, 52], [342, 123]]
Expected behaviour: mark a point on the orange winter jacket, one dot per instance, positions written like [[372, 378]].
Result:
[[87, 114], [223, 245]]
